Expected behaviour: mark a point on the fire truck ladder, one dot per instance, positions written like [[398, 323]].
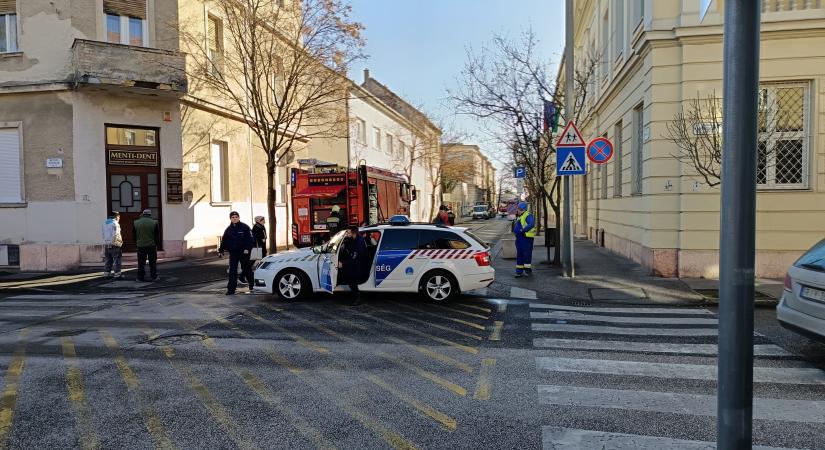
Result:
[[352, 199]]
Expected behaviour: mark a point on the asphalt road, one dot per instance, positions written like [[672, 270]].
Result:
[[194, 369]]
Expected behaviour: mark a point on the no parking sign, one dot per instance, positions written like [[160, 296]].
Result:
[[600, 150]]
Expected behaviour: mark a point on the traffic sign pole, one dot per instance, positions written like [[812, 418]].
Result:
[[738, 220], [569, 106]]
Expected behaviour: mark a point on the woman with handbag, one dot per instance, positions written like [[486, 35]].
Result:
[[259, 233]]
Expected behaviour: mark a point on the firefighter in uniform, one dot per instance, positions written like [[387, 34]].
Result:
[[525, 230], [334, 221]]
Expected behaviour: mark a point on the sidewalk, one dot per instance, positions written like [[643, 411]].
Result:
[[601, 277]]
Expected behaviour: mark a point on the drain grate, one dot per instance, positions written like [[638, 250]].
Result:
[[177, 338], [65, 333]]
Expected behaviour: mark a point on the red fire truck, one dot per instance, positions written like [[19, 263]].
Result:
[[366, 195]]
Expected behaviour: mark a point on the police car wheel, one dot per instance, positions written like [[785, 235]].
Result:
[[439, 286], [290, 285]]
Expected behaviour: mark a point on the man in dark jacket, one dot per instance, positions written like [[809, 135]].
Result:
[[353, 262], [238, 241], [147, 237], [259, 233]]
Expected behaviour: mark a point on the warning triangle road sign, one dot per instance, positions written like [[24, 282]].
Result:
[[571, 164], [570, 137]]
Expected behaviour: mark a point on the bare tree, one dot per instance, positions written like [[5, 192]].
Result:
[[506, 86], [696, 130], [281, 70]]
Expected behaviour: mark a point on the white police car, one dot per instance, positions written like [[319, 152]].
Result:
[[437, 261]]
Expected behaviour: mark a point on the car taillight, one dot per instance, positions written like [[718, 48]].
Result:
[[788, 285], [483, 258]]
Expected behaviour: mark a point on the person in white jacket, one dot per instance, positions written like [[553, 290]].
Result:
[[113, 245]]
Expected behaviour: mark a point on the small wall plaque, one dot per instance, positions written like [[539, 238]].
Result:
[[54, 163]]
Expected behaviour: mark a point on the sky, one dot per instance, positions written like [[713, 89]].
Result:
[[417, 48]]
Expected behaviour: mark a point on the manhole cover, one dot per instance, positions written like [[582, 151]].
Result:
[[617, 293], [578, 302], [177, 338], [65, 333]]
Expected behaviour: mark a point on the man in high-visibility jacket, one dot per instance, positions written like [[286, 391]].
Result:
[[525, 230]]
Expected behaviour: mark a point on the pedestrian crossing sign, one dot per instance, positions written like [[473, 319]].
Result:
[[570, 161]]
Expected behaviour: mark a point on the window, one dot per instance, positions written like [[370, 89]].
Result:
[[360, 131], [617, 160], [376, 141], [278, 69], [618, 28], [11, 179], [400, 240], [402, 150], [220, 172], [214, 49], [389, 145], [783, 156], [8, 27], [604, 58], [440, 239], [136, 137], [638, 145], [126, 22]]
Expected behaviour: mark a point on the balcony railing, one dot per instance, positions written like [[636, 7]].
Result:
[[769, 6], [126, 66]]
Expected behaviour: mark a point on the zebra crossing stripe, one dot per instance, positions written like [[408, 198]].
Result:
[[779, 375], [598, 329], [564, 315], [674, 311], [805, 411], [558, 438], [651, 347]]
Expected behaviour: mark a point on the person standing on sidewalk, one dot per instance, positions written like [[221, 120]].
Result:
[[147, 236], [259, 233], [238, 241], [112, 245], [525, 231], [442, 217]]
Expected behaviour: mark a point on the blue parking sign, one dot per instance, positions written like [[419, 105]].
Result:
[[520, 172]]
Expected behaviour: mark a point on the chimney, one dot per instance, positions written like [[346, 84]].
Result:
[[366, 75]]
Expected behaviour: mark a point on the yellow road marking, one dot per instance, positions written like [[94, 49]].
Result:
[[394, 439], [466, 313], [452, 319], [496, 334], [483, 387], [475, 307], [300, 340], [464, 348], [420, 349], [423, 373], [9, 399], [208, 400], [502, 307], [157, 432], [446, 421], [429, 324], [77, 396]]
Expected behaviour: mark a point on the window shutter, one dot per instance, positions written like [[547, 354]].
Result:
[[10, 166], [8, 6], [131, 8]]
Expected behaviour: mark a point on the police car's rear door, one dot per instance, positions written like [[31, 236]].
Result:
[[394, 269]]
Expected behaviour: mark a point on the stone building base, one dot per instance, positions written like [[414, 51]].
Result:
[[63, 257], [672, 262]]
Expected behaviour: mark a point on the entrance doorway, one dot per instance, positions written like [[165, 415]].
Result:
[[132, 177]]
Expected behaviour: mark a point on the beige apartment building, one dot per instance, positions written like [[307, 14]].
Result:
[[655, 56], [478, 183]]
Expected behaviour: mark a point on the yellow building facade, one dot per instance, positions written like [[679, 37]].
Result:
[[651, 59]]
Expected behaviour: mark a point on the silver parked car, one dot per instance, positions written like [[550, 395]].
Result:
[[802, 307]]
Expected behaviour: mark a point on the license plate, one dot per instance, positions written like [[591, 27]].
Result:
[[813, 294]]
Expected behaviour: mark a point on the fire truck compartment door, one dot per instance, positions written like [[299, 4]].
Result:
[[319, 191]]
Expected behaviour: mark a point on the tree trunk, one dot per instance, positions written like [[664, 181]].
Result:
[[270, 209], [546, 235], [432, 207]]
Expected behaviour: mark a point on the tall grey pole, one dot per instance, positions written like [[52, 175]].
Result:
[[569, 106], [738, 220]]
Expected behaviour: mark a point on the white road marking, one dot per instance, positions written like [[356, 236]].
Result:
[[804, 411], [527, 294], [50, 297], [557, 438], [674, 311], [779, 375], [652, 347], [596, 329], [565, 315]]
